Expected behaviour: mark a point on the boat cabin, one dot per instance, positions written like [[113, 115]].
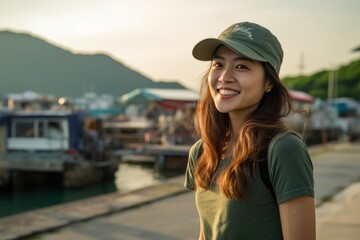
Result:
[[43, 132]]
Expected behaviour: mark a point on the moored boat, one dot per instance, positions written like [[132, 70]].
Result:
[[41, 145]]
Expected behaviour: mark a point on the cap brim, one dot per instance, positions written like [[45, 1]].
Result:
[[205, 49]]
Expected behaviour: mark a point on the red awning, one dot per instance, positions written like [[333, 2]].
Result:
[[301, 96], [176, 104]]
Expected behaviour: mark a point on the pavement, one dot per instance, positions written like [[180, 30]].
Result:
[[167, 211], [340, 218]]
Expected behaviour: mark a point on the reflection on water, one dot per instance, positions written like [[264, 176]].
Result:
[[128, 177], [134, 176]]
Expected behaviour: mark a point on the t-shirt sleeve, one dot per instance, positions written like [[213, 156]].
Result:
[[190, 169], [290, 168]]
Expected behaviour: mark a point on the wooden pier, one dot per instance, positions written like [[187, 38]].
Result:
[[164, 156]]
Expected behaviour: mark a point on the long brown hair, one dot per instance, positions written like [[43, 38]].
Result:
[[214, 128]]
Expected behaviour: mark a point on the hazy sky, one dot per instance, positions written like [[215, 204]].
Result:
[[156, 37]]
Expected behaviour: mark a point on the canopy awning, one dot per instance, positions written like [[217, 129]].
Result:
[[301, 96], [146, 95]]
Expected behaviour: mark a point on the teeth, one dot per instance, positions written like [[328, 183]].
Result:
[[228, 92]]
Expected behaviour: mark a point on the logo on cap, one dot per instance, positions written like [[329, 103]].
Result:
[[238, 29]]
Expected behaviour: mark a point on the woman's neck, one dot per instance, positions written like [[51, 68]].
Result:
[[236, 124]]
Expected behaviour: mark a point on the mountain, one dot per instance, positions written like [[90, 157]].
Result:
[[346, 82], [31, 63]]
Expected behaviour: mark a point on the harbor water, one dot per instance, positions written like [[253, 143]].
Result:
[[128, 177]]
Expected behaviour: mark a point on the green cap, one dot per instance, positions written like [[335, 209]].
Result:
[[246, 38]]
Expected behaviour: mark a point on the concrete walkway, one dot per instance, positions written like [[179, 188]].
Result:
[[340, 218], [167, 211], [175, 218]]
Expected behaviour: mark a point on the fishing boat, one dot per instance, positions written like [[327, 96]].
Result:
[[54, 145]]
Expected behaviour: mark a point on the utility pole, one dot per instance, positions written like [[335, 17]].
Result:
[[301, 64], [357, 49], [331, 86]]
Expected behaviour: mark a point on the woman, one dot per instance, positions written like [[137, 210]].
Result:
[[239, 121]]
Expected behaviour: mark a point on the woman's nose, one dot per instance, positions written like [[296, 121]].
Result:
[[226, 76]]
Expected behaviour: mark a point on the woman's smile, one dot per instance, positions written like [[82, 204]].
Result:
[[227, 92]]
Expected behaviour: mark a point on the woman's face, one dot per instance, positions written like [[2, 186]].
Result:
[[236, 83]]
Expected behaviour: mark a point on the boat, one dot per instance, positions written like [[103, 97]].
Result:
[[45, 146], [317, 122]]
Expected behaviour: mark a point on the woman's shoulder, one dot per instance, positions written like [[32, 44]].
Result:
[[287, 137], [287, 141]]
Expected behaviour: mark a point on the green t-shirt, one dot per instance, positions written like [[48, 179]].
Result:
[[257, 217]]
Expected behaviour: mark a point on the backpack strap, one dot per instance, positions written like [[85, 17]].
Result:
[[264, 173], [264, 169]]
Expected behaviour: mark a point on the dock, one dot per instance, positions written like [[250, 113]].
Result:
[[164, 156]]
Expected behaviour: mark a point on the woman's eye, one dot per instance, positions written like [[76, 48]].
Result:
[[242, 67], [216, 65]]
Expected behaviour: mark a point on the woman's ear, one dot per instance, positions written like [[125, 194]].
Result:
[[268, 86]]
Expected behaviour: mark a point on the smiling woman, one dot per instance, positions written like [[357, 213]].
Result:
[[248, 169]]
